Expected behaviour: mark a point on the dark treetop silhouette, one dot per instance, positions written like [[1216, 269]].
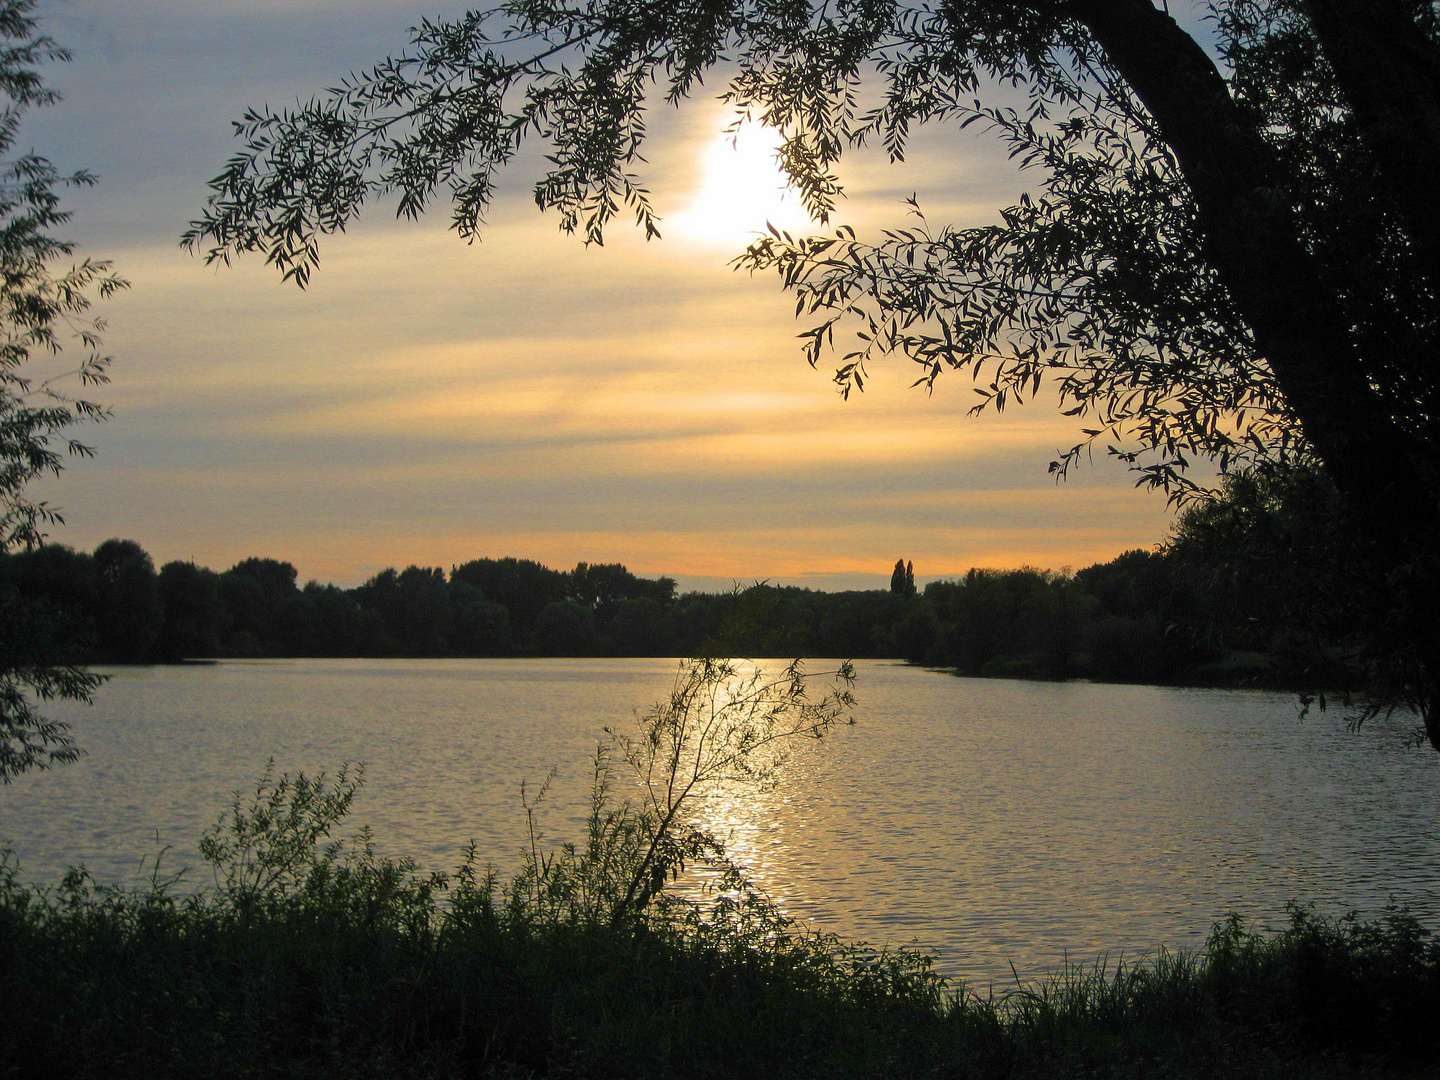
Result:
[[1232, 255], [1238, 596]]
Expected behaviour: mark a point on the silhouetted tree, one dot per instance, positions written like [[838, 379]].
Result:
[[565, 628], [275, 578], [1022, 623], [67, 582], [194, 616], [601, 586], [293, 626], [641, 627], [1283, 576], [381, 596], [342, 626], [524, 587], [132, 613], [44, 305], [481, 628], [254, 591], [913, 638], [1238, 596], [897, 578], [425, 616], [766, 620]]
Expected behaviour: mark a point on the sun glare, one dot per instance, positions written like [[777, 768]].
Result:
[[742, 189]]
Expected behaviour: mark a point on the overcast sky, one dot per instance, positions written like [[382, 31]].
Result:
[[431, 402]]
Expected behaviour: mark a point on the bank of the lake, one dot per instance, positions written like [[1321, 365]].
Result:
[[365, 972]]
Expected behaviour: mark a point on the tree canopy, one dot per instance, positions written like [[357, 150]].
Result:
[[1230, 255]]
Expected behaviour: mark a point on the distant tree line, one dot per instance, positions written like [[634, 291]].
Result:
[[1216, 604]]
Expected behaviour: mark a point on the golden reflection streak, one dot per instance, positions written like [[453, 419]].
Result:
[[746, 817]]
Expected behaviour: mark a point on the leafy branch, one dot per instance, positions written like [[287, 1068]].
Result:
[[720, 729]]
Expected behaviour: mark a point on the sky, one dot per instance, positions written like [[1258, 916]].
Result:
[[426, 401]]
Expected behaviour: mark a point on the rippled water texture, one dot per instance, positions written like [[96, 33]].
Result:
[[987, 821]]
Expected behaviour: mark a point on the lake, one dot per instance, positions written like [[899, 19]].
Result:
[[989, 822]]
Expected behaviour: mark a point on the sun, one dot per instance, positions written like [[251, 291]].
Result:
[[742, 190]]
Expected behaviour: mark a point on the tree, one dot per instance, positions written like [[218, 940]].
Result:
[[426, 615], [602, 586], [257, 593], [132, 613], [1232, 255], [193, 613], [481, 628], [1284, 577], [642, 627], [43, 303], [902, 578], [523, 586], [565, 628]]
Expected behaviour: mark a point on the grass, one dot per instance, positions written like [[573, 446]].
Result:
[[314, 956]]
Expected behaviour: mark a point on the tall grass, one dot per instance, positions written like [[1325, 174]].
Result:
[[308, 954]]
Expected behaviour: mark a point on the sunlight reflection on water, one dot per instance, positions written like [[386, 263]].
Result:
[[987, 821]]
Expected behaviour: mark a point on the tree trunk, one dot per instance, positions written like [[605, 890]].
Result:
[[1250, 240]]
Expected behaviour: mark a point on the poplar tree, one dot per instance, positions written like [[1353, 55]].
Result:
[[897, 578]]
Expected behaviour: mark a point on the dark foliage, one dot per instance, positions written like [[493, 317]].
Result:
[[1261, 586], [44, 307]]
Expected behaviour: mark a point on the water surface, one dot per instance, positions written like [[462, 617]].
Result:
[[987, 821]]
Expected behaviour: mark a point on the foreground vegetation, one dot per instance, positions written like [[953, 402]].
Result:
[[355, 966], [310, 955]]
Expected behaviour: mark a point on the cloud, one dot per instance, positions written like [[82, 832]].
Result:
[[428, 401]]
